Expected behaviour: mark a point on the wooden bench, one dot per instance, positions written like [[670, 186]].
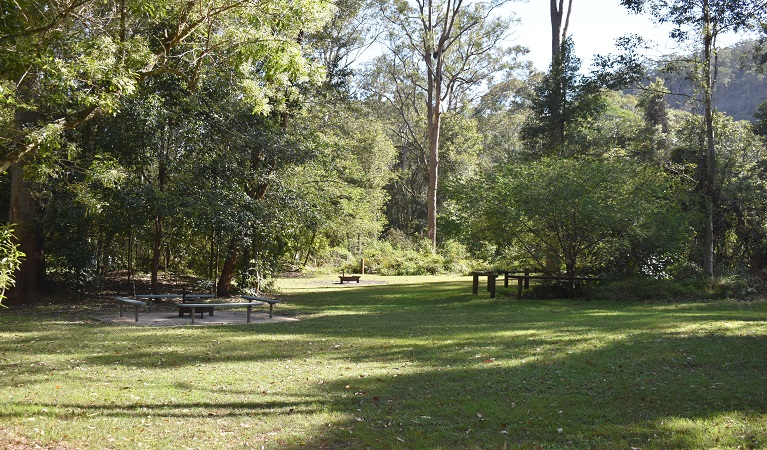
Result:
[[193, 306], [349, 278], [129, 301], [270, 301], [491, 276]]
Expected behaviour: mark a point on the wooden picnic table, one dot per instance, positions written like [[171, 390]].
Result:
[[491, 276], [524, 280]]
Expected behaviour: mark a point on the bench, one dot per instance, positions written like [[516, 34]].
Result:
[[190, 298], [349, 278], [491, 276], [123, 301], [193, 306], [270, 301], [150, 298]]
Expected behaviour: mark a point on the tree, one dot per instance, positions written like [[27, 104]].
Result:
[[760, 123], [588, 212], [444, 49], [705, 20], [344, 38], [561, 105], [64, 63]]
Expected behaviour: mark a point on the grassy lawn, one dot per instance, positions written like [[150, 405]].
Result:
[[412, 362]]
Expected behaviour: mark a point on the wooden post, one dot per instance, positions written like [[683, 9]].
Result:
[[519, 287], [527, 278], [491, 284], [475, 284]]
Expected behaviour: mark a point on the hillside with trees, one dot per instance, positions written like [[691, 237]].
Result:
[[741, 83]]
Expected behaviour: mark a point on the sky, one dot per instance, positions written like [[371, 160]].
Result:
[[594, 26]]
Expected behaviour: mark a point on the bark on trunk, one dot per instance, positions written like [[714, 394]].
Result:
[[228, 271], [558, 32], [24, 211], [709, 173], [156, 253], [431, 195], [158, 234]]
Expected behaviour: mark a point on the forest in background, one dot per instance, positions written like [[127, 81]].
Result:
[[234, 141]]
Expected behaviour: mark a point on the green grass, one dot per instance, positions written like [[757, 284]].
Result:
[[417, 362]]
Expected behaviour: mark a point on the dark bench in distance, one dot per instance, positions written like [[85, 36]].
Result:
[[349, 278]]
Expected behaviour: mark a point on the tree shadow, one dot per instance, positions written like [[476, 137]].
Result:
[[435, 367]]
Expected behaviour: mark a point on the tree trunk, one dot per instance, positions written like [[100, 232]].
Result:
[[434, 64], [156, 253], [233, 252], [558, 32], [228, 271], [24, 211], [709, 173], [431, 195], [158, 235]]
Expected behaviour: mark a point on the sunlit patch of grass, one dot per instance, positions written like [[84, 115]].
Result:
[[414, 362]]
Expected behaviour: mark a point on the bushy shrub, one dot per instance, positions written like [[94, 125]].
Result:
[[742, 287], [647, 289], [739, 286], [400, 256]]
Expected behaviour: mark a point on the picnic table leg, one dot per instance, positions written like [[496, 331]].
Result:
[[247, 320], [136, 313], [475, 284], [527, 278], [491, 284], [519, 287], [271, 305], [506, 279], [121, 309], [192, 315]]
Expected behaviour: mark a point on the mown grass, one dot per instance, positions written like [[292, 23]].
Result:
[[417, 362]]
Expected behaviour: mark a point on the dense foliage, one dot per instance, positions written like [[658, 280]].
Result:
[[234, 140]]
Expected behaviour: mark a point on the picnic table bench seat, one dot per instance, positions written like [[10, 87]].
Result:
[[270, 301], [349, 278], [192, 307], [123, 301], [187, 299]]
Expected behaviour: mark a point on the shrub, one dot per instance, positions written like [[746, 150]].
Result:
[[646, 289], [403, 257]]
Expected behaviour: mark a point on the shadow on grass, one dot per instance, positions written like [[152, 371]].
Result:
[[431, 366]]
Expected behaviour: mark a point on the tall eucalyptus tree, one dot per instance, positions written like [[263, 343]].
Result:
[[442, 51]]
